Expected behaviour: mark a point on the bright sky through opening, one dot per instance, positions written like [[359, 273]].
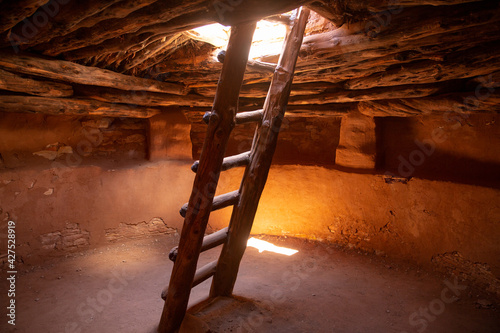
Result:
[[267, 39]]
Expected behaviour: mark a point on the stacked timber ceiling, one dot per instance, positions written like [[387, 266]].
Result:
[[134, 58]]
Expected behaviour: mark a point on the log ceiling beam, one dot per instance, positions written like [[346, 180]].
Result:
[[73, 106], [423, 57], [305, 94], [478, 61], [127, 42], [59, 19], [377, 93], [340, 12], [149, 51], [74, 73], [372, 60], [13, 82], [260, 90], [451, 106], [117, 10], [17, 11], [410, 25], [157, 12], [143, 98]]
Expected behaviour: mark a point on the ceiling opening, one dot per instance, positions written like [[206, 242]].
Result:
[[267, 39]]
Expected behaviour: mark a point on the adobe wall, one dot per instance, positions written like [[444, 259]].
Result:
[[445, 212], [73, 183]]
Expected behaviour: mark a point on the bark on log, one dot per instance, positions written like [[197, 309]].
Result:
[[480, 60], [118, 62], [131, 41], [72, 106], [149, 51], [13, 82], [71, 72], [335, 11], [381, 5], [14, 12], [152, 19], [373, 57], [157, 19], [415, 37], [110, 46], [457, 105], [260, 90], [402, 91], [60, 19], [192, 57], [117, 10], [408, 25], [334, 67], [142, 97], [355, 67], [157, 12], [491, 80]]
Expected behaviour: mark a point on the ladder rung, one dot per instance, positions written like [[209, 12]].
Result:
[[263, 66], [228, 162], [241, 117], [201, 275], [220, 201], [204, 273], [209, 242], [249, 116]]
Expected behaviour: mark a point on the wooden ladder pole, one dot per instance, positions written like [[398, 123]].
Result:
[[255, 176], [220, 125]]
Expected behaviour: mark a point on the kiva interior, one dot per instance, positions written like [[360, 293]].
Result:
[[250, 166]]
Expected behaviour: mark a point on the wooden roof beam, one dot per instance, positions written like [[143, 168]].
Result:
[[75, 73]]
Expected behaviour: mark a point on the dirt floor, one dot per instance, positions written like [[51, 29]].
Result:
[[319, 289]]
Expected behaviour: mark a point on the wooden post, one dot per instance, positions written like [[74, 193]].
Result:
[[221, 123], [256, 173]]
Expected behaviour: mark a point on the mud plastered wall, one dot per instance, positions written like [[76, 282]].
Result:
[[435, 204], [446, 219], [72, 183]]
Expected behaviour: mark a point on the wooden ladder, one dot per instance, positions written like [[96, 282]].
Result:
[[221, 121]]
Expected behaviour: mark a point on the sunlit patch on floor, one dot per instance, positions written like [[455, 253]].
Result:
[[262, 246]]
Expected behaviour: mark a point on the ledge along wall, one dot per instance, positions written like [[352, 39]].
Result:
[[424, 189]]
